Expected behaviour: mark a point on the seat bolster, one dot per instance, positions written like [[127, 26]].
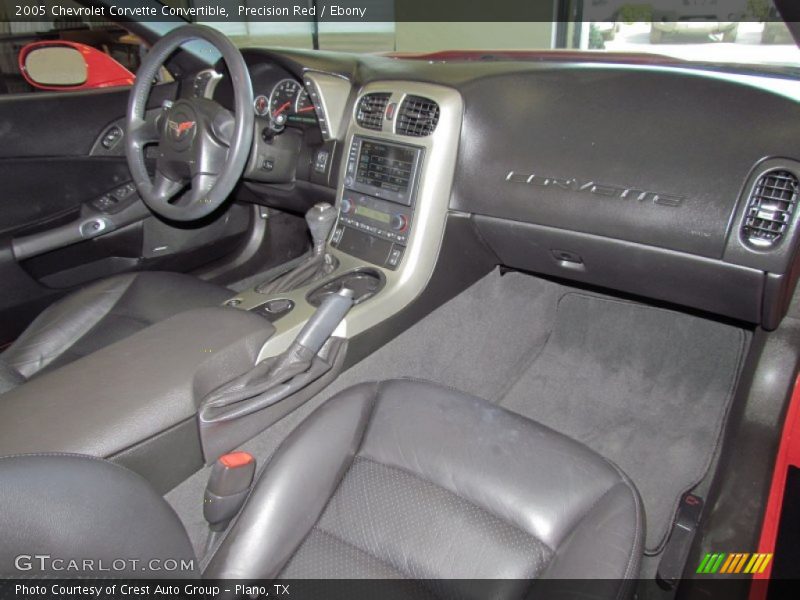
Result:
[[606, 543], [9, 377], [61, 325], [74, 509], [294, 489]]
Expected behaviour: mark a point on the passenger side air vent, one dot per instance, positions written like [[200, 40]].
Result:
[[770, 208], [417, 116], [370, 110]]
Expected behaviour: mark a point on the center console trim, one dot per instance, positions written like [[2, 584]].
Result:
[[434, 186]]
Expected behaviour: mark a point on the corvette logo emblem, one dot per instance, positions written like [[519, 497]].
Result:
[[180, 129]]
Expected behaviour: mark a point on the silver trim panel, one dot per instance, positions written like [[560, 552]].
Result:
[[433, 197], [329, 95]]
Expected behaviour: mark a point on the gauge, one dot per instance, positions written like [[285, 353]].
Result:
[[283, 97], [303, 105], [261, 105]]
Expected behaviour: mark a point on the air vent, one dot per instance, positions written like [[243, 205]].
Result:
[[770, 208], [417, 116], [370, 110]]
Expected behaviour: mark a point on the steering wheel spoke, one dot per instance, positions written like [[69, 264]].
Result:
[[164, 188], [143, 132], [202, 184]]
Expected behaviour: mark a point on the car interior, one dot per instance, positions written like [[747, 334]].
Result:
[[304, 314]]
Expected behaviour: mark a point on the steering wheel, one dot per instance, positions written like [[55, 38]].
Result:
[[202, 146]]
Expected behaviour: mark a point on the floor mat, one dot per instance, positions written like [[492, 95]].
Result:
[[645, 387]]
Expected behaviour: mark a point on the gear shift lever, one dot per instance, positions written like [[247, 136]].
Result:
[[320, 219]]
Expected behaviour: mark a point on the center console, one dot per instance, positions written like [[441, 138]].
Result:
[[394, 186]]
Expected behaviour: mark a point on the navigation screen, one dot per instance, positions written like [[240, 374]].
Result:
[[385, 167]]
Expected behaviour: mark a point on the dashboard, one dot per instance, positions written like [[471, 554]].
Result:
[[629, 177]]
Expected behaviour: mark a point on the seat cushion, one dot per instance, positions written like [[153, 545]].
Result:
[[88, 518], [408, 479], [105, 312]]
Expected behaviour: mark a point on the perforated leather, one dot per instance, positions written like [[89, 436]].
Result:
[[408, 479]]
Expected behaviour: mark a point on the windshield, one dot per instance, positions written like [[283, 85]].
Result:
[[748, 32], [717, 32]]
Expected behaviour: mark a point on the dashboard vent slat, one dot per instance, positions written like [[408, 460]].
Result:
[[370, 110], [769, 212], [417, 116]]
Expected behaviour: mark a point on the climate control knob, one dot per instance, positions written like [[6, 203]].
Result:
[[347, 206], [399, 222]]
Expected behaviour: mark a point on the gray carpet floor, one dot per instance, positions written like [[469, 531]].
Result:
[[647, 388]]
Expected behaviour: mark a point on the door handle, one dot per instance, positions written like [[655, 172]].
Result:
[[88, 226]]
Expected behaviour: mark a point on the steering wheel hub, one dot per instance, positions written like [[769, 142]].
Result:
[[181, 127]]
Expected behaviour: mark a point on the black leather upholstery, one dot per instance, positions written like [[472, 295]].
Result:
[[385, 480], [408, 479], [72, 507], [105, 312], [9, 377]]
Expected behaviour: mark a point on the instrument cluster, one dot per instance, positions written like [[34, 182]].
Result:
[[288, 101]]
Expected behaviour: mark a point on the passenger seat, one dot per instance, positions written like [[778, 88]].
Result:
[[393, 479]]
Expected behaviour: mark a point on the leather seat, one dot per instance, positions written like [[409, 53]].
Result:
[[100, 314], [393, 479]]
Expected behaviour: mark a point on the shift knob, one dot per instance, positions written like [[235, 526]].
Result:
[[320, 219]]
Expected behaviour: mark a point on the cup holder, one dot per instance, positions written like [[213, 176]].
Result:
[[365, 283]]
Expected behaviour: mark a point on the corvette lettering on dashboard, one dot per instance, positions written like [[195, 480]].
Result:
[[572, 184]]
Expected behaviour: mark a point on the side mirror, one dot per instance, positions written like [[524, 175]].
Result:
[[62, 65]]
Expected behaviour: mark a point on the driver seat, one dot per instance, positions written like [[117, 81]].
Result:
[[100, 314]]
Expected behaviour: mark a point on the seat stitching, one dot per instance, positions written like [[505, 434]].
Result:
[[624, 479], [466, 500], [631, 554], [335, 489], [75, 455], [364, 551], [638, 532], [46, 359]]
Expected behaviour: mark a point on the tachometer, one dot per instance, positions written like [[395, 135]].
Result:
[[303, 105], [283, 97]]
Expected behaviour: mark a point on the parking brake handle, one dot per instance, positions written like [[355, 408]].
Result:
[[297, 358], [276, 378]]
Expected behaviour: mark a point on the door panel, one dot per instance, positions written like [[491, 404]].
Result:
[[56, 232], [64, 124], [38, 190]]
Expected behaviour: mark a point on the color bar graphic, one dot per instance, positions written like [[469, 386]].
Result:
[[733, 563]]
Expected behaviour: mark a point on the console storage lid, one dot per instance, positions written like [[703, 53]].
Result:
[[134, 389]]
